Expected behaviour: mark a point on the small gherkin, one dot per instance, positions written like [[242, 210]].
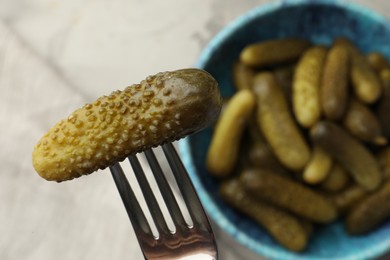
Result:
[[162, 108]]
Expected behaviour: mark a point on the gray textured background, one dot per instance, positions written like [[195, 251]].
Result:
[[55, 56]]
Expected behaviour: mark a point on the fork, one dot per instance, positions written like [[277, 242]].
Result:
[[188, 241]]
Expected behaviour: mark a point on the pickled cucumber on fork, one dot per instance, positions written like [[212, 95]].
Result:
[[162, 108]]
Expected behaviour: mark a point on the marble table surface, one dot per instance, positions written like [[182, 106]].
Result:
[[57, 55]]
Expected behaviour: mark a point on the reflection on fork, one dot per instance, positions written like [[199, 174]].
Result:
[[187, 241]]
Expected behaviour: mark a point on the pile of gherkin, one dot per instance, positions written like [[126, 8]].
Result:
[[304, 140]]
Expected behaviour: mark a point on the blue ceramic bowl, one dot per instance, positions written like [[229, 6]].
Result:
[[318, 21]]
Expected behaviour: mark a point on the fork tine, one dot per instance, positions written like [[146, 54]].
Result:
[[165, 189], [134, 211], [150, 199], [189, 194]]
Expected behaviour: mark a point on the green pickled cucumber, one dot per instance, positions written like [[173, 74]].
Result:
[[307, 85], [284, 76], [223, 152], [334, 88], [349, 152], [318, 167], [365, 82], [337, 179], [281, 225], [369, 213], [356, 200], [242, 76], [277, 123], [273, 52], [377, 61], [289, 195], [347, 198], [361, 122], [367, 86], [162, 108], [260, 153]]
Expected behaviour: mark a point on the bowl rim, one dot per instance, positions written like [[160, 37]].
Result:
[[270, 7], [184, 145]]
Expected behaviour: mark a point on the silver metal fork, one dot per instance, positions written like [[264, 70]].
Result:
[[194, 241]]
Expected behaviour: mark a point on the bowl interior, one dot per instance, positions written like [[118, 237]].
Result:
[[320, 22]]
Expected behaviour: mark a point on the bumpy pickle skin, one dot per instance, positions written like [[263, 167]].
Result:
[[349, 152], [334, 88], [277, 123], [288, 194], [223, 152], [284, 227], [162, 108], [273, 52], [361, 122], [369, 213], [307, 85]]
